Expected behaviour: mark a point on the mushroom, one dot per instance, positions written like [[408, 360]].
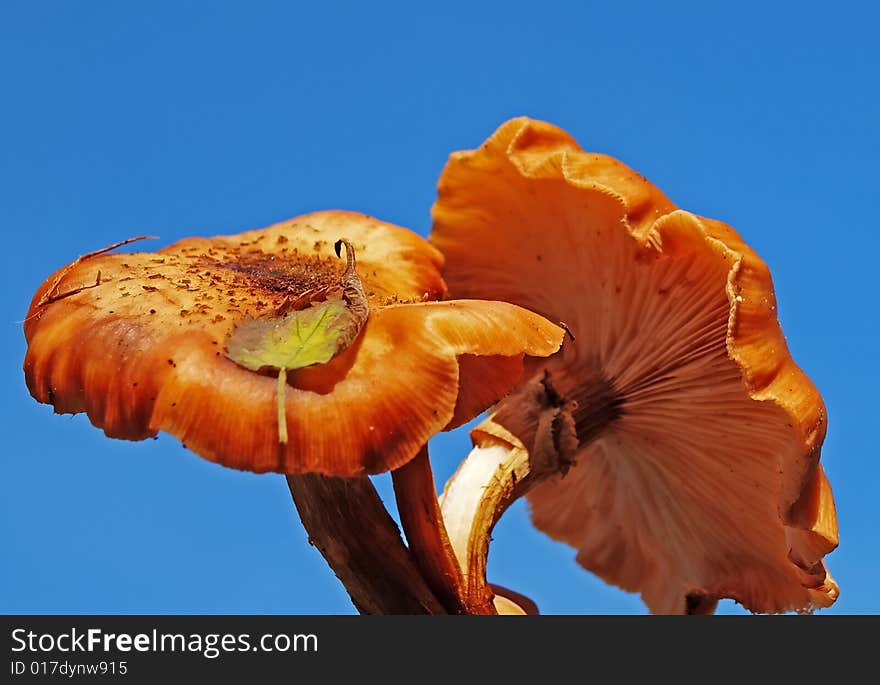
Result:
[[685, 464], [260, 351]]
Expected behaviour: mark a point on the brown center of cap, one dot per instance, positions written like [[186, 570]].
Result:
[[292, 275]]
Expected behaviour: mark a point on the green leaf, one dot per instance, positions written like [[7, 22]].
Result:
[[300, 338], [304, 337]]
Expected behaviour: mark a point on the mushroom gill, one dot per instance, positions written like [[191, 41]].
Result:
[[697, 472]]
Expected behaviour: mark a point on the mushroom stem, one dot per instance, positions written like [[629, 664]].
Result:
[[488, 481], [511, 603], [346, 520], [500, 470], [422, 523]]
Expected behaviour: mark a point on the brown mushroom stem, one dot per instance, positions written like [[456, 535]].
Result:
[[422, 523], [500, 470], [347, 522]]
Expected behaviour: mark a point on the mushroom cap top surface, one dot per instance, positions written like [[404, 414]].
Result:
[[139, 341], [698, 475]]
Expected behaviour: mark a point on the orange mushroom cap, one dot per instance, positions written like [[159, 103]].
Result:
[[700, 478], [138, 341]]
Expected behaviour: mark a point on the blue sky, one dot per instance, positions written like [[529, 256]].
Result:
[[205, 118]]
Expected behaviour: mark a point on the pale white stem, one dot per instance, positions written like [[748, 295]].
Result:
[[528, 439], [463, 504]]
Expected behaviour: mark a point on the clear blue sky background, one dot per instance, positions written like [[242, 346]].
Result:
[[182, 118]]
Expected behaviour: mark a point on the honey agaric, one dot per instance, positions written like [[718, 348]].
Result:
[[195, 340], [146, 349], [692, 437]]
